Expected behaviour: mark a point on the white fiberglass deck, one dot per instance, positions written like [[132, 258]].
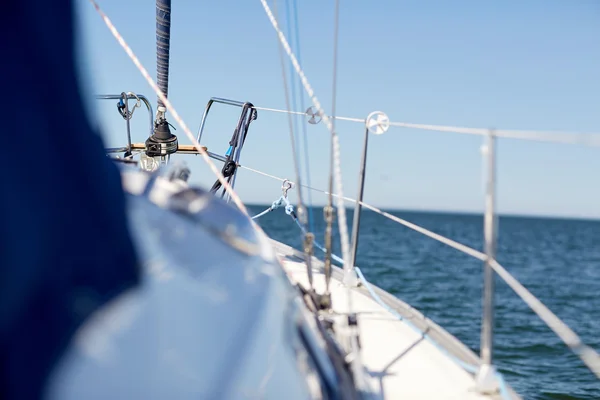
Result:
[[402, 364]]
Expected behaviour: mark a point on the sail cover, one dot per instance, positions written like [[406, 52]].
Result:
[[64, 245]]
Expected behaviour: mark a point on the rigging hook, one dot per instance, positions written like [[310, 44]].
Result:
[[286, 186], [122, 108]]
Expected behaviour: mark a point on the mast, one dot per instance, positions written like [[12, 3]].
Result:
[[162, 143]]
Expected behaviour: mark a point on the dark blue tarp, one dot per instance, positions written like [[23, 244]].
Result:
[[64, 245]]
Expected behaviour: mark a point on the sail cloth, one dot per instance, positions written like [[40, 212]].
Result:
[[64, 245]]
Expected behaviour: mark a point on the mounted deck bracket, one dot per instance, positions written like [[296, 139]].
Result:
[[162, 142], [486, 380], [376, 123]]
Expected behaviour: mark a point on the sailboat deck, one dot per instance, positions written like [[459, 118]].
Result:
[[401, 362]]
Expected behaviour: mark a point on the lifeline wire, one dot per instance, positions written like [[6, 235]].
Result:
[[584, 139]]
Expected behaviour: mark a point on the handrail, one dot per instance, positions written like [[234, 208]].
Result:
[[208, 107], [242, 128]]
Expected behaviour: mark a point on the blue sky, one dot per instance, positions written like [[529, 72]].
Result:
[[515, 64]]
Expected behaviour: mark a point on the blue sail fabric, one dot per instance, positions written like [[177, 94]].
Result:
[[64, 245]]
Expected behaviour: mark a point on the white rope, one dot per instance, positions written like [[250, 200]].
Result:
[[585, 139], [361, 120], [264, 174], [441, 128], [589, 139], [343, 227], [289, 209], [268, 210], [279, 111], [170, 108]]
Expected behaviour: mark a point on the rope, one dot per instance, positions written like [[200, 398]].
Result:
[[268, 210], [289, 209], [262, 173], [279, 111], [585, 139], [227, 187], [343, 227], [335, 61]]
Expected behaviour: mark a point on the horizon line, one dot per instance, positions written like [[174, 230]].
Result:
[[478, 213]]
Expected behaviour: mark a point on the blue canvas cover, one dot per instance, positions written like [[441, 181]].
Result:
[[64, 244]]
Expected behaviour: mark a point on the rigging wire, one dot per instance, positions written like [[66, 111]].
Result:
[[329, 207], [328, 210], [292, 31], [292, 85], [317, 104], [304, 136], [308, 238], [290, 120]]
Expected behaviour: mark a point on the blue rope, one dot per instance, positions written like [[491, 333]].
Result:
[[289, 209]]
